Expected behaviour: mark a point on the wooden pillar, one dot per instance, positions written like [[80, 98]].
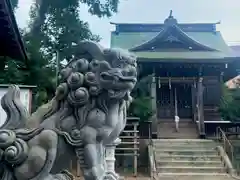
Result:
[[175, 102], [154, 107], [221, 83], [201, 124], [194, 101], [221, 78]]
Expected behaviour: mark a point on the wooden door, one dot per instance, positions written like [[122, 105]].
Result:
[[184, 100], [165, 102]]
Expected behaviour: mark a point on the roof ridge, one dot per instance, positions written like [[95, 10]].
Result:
[[169, 25]]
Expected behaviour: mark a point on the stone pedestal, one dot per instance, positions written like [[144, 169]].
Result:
[[110, 160]]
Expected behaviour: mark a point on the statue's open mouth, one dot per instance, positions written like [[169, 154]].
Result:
[[116, 93], [105, 76], [116, 84]]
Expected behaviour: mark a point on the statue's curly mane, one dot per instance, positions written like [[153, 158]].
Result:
[[78, 90]]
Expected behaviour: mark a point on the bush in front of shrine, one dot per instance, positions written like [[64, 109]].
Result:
[[230, 103]]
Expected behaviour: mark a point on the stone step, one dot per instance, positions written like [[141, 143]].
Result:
[[184, 140], [168, 157], [181, 125], [175, 142], [186, 130], [194, 176], [181, 130], [185, 151], [188, 169], [177, 135], [195, 147], [175, 146], [185, 146], [172, 121], [199, 163]]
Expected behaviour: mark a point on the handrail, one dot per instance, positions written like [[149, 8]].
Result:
[[227, 146], [152, 160]]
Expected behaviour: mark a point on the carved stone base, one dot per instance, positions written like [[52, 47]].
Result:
[[97, 172], [113, 176]]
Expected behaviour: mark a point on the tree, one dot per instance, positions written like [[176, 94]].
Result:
[[230, 103], [142, 101], [54, 25], [58, 26], [44, 8]]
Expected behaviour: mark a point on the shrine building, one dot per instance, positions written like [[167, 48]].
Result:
[[190, 62]]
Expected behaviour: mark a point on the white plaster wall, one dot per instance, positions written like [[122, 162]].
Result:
[[24, 97]]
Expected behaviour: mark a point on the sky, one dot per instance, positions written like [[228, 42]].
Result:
[[156, 11]]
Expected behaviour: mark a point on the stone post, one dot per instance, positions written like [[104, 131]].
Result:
[[200, 109], [154, 108], [110, 160]]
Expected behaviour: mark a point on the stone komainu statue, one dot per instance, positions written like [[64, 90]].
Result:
[[87, 112]]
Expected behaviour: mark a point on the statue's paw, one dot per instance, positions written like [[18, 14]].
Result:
[[95, 173], [64, 175], [111, 176]]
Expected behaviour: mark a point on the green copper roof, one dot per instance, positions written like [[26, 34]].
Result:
[[207, 44], [128, 40]]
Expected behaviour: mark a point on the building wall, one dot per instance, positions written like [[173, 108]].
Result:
[[212, 91]]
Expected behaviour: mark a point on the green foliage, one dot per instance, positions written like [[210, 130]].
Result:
[[58, 26], [143, 87], [142, 101], [11, 72], [54, 25], [141, 107], [230, 104]]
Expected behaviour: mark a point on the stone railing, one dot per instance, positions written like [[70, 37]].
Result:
[[152, 161]]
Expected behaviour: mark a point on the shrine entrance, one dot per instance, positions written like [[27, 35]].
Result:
[[174, 99]]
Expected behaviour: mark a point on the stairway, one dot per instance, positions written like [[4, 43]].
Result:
[[167, 129], [182, 159]]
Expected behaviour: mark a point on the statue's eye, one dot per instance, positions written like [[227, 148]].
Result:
[[94, 64]]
